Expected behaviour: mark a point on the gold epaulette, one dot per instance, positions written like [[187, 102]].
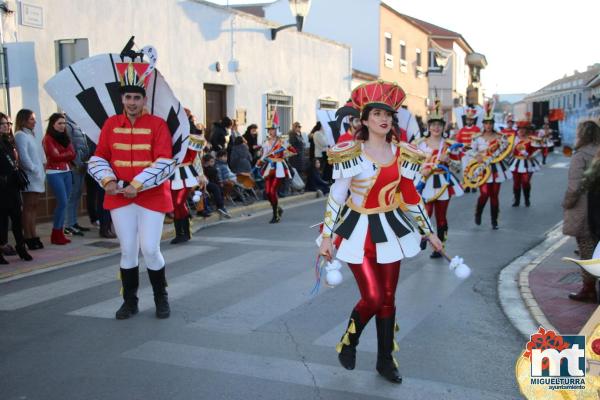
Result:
[[343, 152], [411, 153]]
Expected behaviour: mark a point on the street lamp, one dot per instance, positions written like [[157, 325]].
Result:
[[299, 10]]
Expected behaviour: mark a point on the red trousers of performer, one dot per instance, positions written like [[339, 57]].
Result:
[[521, 180], [377, 284], [272, 184], [441, 209], [491, 191], [180, 206]]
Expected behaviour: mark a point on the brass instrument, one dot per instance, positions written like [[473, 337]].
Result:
[[477, 173]]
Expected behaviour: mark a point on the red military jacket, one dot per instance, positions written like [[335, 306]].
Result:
[[523, 149], [465, 134], [129, 150]]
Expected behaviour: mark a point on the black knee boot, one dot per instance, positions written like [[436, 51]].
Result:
[[495, 211], [527, 192], [478, 212], [387, 366], [346, 348], [187, 228], [517, 193], [159, 287], [130, 280], [180, 236], [276, 217]]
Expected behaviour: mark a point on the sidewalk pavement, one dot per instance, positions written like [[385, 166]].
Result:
[[92, 246], [550, 283]]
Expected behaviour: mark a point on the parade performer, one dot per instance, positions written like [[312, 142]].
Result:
[[523, 164], [488, 169], [368, 211], [187, 177], [542, 139], [509, 129], [438, 182], [274, 168], [465, 135], [133, 161]]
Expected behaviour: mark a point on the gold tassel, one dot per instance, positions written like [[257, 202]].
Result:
[[338, 347], [396, 347], [346, 339], [396, 327], [395, 362], [352, 327], [120, 278]]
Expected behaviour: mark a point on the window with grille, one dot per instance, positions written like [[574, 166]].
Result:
[[328, 104], [284, 107], [69, 51]]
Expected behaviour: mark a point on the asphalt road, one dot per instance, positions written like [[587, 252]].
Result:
[[244, 326]]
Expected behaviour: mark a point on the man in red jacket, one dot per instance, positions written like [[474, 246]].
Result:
[[133, 162]]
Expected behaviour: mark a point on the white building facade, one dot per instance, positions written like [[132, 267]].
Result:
[[218, 61]]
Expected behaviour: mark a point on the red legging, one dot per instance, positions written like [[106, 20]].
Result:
[[441, 209], [271, 186], [377, 284], [521, 180], [491, 191], [180, 203]]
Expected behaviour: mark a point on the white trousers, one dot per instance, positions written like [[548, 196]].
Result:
[[138, 227]]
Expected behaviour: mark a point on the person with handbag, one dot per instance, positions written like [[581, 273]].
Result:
[[12, 181], [31, 160], [60, 153]]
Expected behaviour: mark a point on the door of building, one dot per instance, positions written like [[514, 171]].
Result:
[[216, 104]]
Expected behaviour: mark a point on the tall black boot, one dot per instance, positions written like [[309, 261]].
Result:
[[517, 193], [494, 211], [478, 211], [130, 280], [179, 233], [387, 366], [442, 232], [527, 193], [159, 287], [346, 348], [276, 218], [187, 228]]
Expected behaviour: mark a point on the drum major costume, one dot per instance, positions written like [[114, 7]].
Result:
[[377, 217], [439, 184], [523, 164], [140, 155]]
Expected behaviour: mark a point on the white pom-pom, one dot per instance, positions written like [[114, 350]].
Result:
[[334, 276], [196, 197], [462, 271]]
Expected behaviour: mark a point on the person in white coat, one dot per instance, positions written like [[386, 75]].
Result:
[[31, 159]]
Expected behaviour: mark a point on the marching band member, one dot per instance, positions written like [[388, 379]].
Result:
[[509, 129], [465, 135], [274, 168], [133, 161], [438, 182], [186, 177], [368, 211], [523, 164], [492, 148], [543, 141]]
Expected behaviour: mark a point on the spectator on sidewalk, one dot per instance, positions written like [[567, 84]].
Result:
[[251, 137], [220, 134], [575, 204], [314, 182], [95, 200], [214, 184], [31, 159], [10, 186], [591, 183], [240, 159], [296, 140], [320, 141], [79, 172], [60, 154]]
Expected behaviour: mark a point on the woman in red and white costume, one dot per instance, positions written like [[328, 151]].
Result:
[[373, 223], [487, 147], [439, 185], [523, 164], [274, 168]]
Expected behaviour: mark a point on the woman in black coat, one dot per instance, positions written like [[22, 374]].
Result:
[[10, 200]]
